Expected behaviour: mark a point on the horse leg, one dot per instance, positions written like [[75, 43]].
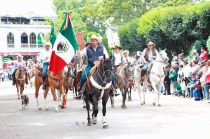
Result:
[[124, 98], [154, 94], [88, 109], [129, 93], [17, 87], [158, 95], [104, 102], [37, 96], [54, 98], [111, 94], [95, 109], [64, 97], [45, 98]]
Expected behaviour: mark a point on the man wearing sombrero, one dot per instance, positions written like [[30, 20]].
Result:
[[17, 63], [117, 58], [148, 55], [45, 59], [94, 51]]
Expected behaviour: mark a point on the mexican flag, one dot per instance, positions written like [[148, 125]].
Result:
[[64, 47]]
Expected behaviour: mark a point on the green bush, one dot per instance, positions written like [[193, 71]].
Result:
[[173, 28]]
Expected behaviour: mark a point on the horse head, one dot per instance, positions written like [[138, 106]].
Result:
[[106, 66], [163, 56]]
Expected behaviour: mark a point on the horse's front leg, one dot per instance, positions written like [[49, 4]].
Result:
[[55, 99], [123, 98], [129, 92], [95, 109], [88, 109], [45, 98], [158, 95], [17, 87], [64, 97], [37, 96], [155, 95], [104, 102]]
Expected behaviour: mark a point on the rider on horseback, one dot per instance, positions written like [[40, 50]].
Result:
[[94, 51], [45, 59], [17, 63], [149, 54]]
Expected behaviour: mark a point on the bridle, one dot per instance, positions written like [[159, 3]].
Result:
[[100, 87]]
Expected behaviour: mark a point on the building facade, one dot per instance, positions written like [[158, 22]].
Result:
[[19, 35]]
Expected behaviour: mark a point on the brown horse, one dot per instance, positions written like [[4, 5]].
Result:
[[124, 77], [54, 82], [20, 80], [68, 79]]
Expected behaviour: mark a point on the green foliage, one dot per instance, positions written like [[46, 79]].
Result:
[[197, 46], [173, 28], [208, 44], [158, 16]]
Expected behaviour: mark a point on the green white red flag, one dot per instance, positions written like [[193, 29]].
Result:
[[64, 47]]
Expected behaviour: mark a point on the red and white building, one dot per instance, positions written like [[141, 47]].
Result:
[[19, 35]]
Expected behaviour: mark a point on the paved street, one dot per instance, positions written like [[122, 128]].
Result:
[[177, 118]]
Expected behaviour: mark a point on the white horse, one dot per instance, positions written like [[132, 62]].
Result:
[[156, 78]]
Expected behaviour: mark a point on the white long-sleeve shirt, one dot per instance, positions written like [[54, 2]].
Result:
[[45, 56]]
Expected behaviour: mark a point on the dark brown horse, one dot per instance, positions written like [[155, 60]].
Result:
[[124, 80], [20, 80]]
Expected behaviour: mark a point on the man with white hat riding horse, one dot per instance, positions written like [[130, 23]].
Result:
[[45, 59], [94, 51], [17, 63], [148, 55]]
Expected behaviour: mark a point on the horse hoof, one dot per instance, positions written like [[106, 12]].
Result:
[[40, 108], [105, 126], [129, 99], [89, 124], [123, 106], [94, 120], [159, 105], [63, 107], [153, 103], [84, 107], [112, 106], [142, 103], [56, 109]]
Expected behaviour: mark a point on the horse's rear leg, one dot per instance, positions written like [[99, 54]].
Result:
[[104, 102]]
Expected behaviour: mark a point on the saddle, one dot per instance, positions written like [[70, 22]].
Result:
[[88, 82]]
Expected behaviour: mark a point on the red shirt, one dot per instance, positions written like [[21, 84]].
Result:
[[204, 56]]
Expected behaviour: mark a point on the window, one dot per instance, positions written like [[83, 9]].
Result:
[[32, 38], [10, 39], [24, 38]]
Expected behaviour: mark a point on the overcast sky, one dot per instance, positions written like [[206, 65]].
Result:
[[27, 8]]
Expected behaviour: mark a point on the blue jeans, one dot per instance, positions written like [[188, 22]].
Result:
[[113, 79], [84, 76], [44, 69], [206, 91]]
